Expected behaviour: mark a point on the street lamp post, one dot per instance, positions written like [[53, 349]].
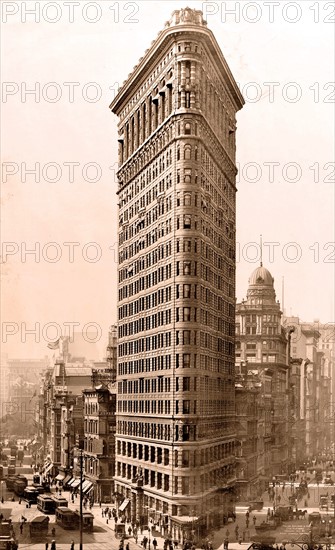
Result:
[[80, 448], [81, 500], [149, 538]]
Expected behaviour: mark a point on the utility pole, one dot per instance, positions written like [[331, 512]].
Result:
[[81, 446], [291, 451]]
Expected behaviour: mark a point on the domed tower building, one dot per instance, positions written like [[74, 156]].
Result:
[[261, 357]]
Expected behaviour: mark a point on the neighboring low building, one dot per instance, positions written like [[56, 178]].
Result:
[[261, 347], [99, 440]]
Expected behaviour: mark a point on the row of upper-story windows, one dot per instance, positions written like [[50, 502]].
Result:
[[161, 296], [209, 227], [222, 192], [147, 176], [150, 406], [145, 385], [91, 407], [157, 341], [91, 426], [186, 314], [143, 283], [157, 167], [163, 206], [162, 228], [181, 128], [153, 430], [151, 113], [182, 485], [185, 458], [149, 81], [161, 318], [188, 291], [150, 364], [160, 252]]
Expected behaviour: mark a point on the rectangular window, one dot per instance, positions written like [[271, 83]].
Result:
[[186, 383], [186, 337], [186, 360], [186, 314]]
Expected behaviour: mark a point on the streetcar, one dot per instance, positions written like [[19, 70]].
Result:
[[30, 495], [66, 518], [19, 485], [88, 519], [38, 527], [60, 501], [46, 504]]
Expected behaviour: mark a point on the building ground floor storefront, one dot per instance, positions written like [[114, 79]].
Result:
[[176, 518]]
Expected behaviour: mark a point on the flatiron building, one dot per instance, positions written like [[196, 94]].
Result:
[[175, 431]]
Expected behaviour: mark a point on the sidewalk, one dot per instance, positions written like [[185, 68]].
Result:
[[217, 537]]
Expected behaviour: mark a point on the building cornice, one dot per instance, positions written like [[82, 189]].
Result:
[[135, 78]]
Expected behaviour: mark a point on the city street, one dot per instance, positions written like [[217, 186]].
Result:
[[103, 535]]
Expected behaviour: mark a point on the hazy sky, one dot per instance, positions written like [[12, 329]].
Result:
[[74, 58]]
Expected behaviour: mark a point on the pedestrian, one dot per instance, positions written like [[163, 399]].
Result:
[[102, 513], [53, 545], [72, 545], [2, 500], [46, 546], [127, 546], [20, 500], [129, 530], [247, 523], [154, 544], [225, 543], [254, 520]]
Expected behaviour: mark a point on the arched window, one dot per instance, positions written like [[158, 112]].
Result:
[[187, 152], [187, 128]]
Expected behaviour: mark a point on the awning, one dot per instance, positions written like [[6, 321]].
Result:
[[69, 482], [60, 477], [124, 505], [75, 483], [48, 468], [67, 479], [87, 485], [185, 519]]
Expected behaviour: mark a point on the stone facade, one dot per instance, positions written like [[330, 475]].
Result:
[[261, 347], [175, 442]]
